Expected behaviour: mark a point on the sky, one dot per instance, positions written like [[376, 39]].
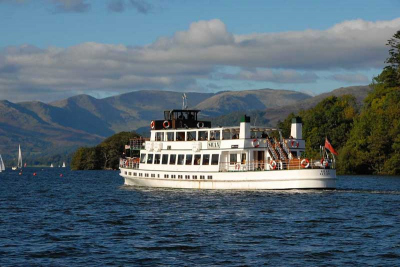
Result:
[[53, 49]]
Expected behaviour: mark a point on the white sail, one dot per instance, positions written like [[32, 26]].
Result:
[[51, 165], [19, 165], [63, 164], [2, 167]]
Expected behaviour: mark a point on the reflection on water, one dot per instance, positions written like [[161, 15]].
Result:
[[90, 218]]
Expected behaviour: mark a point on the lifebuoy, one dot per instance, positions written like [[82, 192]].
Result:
[[324, 162], [152, 125], [305, 163], [255, 143], [273, 164], [200, 124], [294, 143], [166, 124]]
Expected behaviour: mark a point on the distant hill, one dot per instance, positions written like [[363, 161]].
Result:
[[262, 99], [62, 126], [271, 116]]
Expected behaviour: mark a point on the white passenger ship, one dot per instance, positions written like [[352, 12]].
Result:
[[184, 152]]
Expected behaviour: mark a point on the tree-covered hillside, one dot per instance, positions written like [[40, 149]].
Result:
[[103, 156], [368, 140], [374, 142]]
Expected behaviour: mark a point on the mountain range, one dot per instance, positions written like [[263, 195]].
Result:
[[58, 128]]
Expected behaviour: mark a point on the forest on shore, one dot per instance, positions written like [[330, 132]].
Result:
[[104, 156], [367, 137]]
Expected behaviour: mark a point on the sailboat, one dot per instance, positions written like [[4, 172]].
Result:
[[19, 165], [63, 164], [51, 165], [2, 167]]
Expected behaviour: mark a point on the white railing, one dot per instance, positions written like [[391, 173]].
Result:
[[129, 163], [296, 164]]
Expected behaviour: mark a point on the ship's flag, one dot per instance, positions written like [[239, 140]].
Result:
[[330, 147]]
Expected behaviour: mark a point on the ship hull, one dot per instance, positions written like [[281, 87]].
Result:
[[257, 180]]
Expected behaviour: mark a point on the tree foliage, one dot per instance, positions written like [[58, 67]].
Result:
[[374, 143], [332, 118], [103, 156]]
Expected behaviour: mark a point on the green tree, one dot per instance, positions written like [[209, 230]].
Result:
[[104, 156], [374, 143], [333, 118]]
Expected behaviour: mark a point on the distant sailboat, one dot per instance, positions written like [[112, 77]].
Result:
[[51, 165], [2, 167], [63, 164], [19, 164]]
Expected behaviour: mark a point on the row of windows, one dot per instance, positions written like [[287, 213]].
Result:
[[179, 159], [191, 136], [172, 176]]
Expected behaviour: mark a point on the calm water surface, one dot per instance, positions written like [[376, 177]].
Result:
[[90, 218]]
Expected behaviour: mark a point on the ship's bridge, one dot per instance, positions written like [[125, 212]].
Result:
[[180, 118]]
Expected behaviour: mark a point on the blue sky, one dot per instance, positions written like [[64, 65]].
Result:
[[51, 49]]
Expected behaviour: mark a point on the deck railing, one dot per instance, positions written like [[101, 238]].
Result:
[[129, 163], [294, 164]]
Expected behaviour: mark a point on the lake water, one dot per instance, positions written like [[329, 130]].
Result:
[[90, 218]]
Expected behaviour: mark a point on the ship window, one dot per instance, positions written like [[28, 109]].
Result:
[[202, 177], [173, 176], [203, 135], [170, 136], [187, 176], [194, 177], [189, 159], [153, 175], [125, 173], [149, 158], [142, 158], [160, 136], [180, 136], [134, 174], [197, 159], [146, 175], [233, 158], [165, 159], [140, 174], [157, 158], [214, 159], [226, 134], [191, 136], [206, 159], [180, 159], [130, 173], [209, 177], [172, 159], [244, 158], [215, 135], [158, 176], [179, 176]]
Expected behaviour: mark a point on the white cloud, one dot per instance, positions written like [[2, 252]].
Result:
[[178, 61]]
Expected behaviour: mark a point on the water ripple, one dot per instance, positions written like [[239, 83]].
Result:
[[90, 218]]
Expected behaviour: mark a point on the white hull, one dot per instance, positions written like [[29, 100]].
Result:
[[280, 179]]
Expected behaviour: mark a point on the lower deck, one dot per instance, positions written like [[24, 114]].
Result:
[[283, 179]]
